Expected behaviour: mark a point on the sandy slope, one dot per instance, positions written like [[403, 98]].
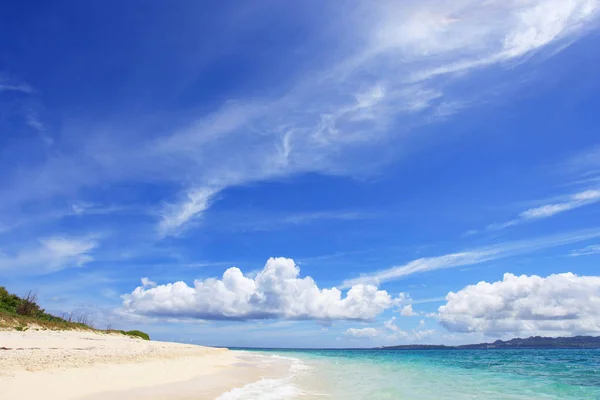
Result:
[[84, 365]]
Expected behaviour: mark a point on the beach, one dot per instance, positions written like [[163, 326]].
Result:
[[88, 365]]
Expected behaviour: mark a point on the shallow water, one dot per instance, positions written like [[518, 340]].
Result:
[[432, 374]]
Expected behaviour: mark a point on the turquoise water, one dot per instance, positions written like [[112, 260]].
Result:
[[444, 374]]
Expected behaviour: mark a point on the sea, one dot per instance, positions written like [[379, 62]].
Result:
[[548, 374]]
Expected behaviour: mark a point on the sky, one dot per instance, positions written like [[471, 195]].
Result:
[[304, 173]]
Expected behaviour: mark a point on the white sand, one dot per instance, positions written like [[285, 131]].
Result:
[[84, 365]]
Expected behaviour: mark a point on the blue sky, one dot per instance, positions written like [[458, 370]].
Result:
[[372, 171]]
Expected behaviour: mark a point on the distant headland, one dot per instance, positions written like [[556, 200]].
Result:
[[535, 342]]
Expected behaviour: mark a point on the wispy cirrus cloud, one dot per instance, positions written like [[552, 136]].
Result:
[[413, 38], [566, 203], [573, 201], [397, 63], [586, 251], [49, 255], [586, 162], [27, 111], [267, 220], [175, 216], [23, 88], [471, 257], [584, 168]]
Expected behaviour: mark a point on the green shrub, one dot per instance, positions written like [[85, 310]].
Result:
[[26, 306], [8, 302], [19, 312], [139, 334]]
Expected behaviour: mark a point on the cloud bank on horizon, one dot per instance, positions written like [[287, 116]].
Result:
[[349, 137]]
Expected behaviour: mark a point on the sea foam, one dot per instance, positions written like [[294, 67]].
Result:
[[264, 389], [271, 389]]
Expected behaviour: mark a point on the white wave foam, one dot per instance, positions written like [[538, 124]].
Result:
[[277, 356], [299, 366], [265, 389], [271, 389]]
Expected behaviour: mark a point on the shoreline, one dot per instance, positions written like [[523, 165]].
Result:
[[92, 366]]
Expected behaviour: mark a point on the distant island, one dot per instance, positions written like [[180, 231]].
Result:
[[535, 342]]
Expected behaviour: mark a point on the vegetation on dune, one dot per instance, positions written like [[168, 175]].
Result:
[[20, 313], [25, 311], [139, 334]]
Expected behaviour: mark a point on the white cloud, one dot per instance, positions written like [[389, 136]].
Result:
[[460, 36], [472, 257], [541, 22], [15, 88], [429, 300], [276, 291], [174, 216], [362, 332], [407, 311], [420, 334], [574, 201], [586, 162], [586, 251], [80, 209], [391, 325], [567, 203], [392, 333], [335, 122], [425, 264], [413, 335], [526, 305], [269, 220], [147, 283], [51, 254]]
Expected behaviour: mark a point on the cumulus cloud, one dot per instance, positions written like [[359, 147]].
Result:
[[392, 333], [276, 291], [559, 304], [419, 333], [391, 325], [49, 255], [407, 311]]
